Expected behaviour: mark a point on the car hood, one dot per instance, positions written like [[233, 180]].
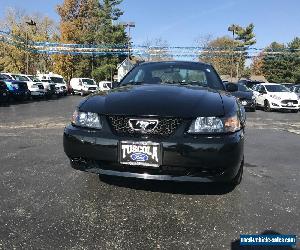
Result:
[[285, 95], [243, 94], [156, 100]]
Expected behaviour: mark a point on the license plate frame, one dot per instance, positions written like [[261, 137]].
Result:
[[136, 153]]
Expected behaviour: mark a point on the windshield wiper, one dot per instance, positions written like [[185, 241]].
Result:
[[132, 83]]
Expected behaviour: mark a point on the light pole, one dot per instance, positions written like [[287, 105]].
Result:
[[129, 25], [31, 23], [232, 29]]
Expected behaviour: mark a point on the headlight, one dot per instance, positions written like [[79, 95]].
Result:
[[275, 97], [214, 125], [86, 119], [253, 97]]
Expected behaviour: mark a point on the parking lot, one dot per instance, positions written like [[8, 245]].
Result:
[[46, 204]]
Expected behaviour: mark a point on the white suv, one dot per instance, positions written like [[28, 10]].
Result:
[[273, 96]]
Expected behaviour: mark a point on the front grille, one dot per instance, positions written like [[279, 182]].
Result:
[[164, 128], [92, 88], [287, 101], [41, 86]]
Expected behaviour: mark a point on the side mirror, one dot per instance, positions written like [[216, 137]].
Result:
[[115, 85], [231, 87]]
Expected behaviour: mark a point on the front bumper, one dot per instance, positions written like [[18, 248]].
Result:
[[277, 104], [37, 93], [248, 104], [185, 158]]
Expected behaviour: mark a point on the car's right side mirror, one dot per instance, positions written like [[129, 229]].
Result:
[[231, 87]]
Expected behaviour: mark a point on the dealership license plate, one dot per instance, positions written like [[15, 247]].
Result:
[[139, 153]]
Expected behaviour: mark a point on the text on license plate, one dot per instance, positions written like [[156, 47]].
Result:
[[140, 153]]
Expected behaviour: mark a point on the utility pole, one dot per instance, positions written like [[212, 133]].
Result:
[[128, 25], [232, 29], [31, 23]]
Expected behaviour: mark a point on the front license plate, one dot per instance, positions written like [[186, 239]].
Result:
[[290, 104], [140, 153]]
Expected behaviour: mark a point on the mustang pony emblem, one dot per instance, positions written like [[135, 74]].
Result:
[[143, 125]]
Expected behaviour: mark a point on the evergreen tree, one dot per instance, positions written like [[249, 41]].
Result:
[[88, 22]]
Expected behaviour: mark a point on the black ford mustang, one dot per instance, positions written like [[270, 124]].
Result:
[[164, 121]]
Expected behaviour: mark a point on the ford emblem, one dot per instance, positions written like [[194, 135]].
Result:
[[139, 157]]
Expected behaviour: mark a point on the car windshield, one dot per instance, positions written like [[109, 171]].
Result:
[[88, 81], [174, 73], [21, 78], [57, 79], [243, 88], [276, 88], [33, 78]]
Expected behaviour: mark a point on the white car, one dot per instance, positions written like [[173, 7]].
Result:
[[272, 96], [104, 85], [36, 89], [59, 81], [83, 86]]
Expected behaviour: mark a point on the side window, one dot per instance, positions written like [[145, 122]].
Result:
[[263, 88]]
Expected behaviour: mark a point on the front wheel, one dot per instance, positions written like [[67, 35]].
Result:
[[294, 110], [267, 107]]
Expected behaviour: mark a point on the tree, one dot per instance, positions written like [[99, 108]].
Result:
[[257, 65], [220, 53], [88, 22], [245, 38], [13, 54], [156, 50], [281, 62]]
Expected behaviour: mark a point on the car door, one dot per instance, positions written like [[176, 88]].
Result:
[[260, 95], [256, 93]]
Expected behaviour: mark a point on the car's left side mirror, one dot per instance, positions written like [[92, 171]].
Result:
[[115, 85], [231, 87]]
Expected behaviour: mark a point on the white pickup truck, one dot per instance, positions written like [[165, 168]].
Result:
[[59, 81]]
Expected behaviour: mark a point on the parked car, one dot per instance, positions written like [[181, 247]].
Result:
[[4, 93], [17, 90], [104, 85], [49, 87], [83, 86], [249, 83], [245, 96], [165, 121], [36, 89], [272, 96], [58, 80], [296, 90]]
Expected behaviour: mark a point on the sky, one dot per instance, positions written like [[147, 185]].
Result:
[[181, 23]]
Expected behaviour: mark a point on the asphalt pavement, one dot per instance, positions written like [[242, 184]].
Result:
[[45, 204]]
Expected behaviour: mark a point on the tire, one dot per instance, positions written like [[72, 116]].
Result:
[[294, 110], [253, 110], [267, 107], [238, 178]]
